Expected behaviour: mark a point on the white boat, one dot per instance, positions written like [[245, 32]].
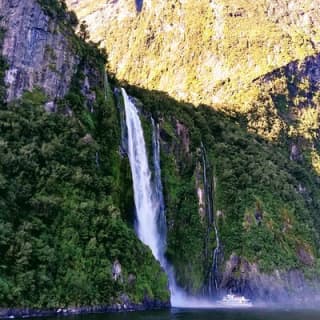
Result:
[[232, 300]]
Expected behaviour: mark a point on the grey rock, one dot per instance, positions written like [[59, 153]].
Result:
[[116, 270], [38, 53], [50, 106], [87, 139], [295, 154], [131, 278], [244, 278], [125, 300]]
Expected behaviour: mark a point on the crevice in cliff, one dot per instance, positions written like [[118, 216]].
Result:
[[213, 276], [3, 68], [139, 5]]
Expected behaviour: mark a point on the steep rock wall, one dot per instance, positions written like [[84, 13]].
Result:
[[37, 49], [201, 51], [209, 52]]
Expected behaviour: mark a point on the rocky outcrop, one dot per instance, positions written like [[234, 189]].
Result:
[[38, 50], [116, 270], [244, 278], [298, 79]]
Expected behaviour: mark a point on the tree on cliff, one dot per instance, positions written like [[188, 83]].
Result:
[[83, 31]]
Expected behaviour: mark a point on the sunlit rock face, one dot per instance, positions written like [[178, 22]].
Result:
[[36, 53], [100, 15], [201, 51]]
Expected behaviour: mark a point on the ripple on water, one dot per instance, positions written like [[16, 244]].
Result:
[[204, 314]]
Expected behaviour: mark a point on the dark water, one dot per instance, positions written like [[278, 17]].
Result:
[[190, 314]]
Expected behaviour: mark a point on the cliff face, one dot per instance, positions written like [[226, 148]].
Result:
[[66, 194], [201, 51], [37, 49], [211, 52]]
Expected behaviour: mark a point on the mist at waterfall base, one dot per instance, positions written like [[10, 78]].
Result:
[[149, 204]]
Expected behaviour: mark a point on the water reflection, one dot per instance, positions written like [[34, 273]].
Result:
[[198, 314]]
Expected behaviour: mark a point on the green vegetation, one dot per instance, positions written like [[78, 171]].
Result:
[[57, 9], [66, 199], [61, 226], [66, 195]]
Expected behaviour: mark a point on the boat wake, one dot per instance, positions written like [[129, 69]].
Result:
[[182, 300], [235, 301]]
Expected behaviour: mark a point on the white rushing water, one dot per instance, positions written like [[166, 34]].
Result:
[[157, 196], [146, 209], [148, 196], [149, 204]]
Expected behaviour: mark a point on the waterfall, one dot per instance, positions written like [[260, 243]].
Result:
[[148, 197], [105, 84], [158, 190], [124, 131], [144, 197], [213, 281]]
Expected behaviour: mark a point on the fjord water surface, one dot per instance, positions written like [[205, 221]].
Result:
[[205, 314]]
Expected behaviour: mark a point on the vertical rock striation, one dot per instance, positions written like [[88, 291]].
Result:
[[38, 50]]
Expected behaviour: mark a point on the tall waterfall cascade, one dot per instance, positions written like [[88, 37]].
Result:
[[148, 196], [144, 196], [149, 203], [158, 190]]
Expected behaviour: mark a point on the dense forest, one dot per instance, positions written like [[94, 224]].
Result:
[[65, 200]]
